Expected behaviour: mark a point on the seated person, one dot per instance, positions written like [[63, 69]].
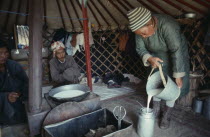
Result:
[[63, 68], [13, 89]]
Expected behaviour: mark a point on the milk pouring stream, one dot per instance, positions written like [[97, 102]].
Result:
[[152, 93], [145, 127]]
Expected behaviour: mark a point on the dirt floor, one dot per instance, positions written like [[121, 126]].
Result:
[[184, 122]]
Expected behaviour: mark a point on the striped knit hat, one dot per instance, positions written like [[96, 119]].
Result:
[[138, 17]]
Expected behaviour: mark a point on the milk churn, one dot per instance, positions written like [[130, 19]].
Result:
[[146, 122]]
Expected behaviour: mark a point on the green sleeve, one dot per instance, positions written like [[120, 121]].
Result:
[[173, 38], [142, 51]]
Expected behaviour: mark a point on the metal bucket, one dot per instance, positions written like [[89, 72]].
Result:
[[169, 93], [146, 122], [206, 108], [197, 105]]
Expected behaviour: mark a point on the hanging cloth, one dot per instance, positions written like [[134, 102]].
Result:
[[122, 41], [69, 48]]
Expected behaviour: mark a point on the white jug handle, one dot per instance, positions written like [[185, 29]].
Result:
[[161, 74]]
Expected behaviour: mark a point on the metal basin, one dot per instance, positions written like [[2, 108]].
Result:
[[71, 87]]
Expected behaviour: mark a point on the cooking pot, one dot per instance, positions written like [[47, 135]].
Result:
[[71, 87]]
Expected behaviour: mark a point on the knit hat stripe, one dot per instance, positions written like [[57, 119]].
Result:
[[140, 25], [138, 12], [143, 21], [133, 13], [138, 17]]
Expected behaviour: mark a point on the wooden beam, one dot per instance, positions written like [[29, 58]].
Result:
[[60, 11], [35, 56], [79, 5], [100, 12], [132, 7], [94, 14], [76, 12], [190, 6], [16, 17], [45, 11], [174, 5], [108, 12], [7, 16], [27, 11], [65, 5], [146, 6], [205, 4], [123, 5], [118, 9], [159, 7]]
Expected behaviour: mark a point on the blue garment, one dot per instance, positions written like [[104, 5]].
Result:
[[14, 79]]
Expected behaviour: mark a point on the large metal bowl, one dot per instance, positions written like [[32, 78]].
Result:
[[72, 87]]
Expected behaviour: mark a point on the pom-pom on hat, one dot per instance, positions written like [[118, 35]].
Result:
[[138, 17]]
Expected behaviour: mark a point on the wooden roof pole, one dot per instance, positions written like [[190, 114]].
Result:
[[122, 4], [118, 9], [174, 5], [76, 12], [60, 11], [35, 56], [132, 7], [159, 7], [205, 4], [100, 13], [8, 15], [94, 14], [146, 6], [65, 5], [91, 11], [45, 11], [108, 12], [27, 10], [16, 17], [192, 7], [87, 45]]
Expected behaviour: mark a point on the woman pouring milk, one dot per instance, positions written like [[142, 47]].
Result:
[[158, 39]]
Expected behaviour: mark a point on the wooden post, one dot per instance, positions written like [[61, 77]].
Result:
[[35, 55], [87, 45]]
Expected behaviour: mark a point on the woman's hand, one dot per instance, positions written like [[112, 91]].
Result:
[[154, 61], [179, 82]]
